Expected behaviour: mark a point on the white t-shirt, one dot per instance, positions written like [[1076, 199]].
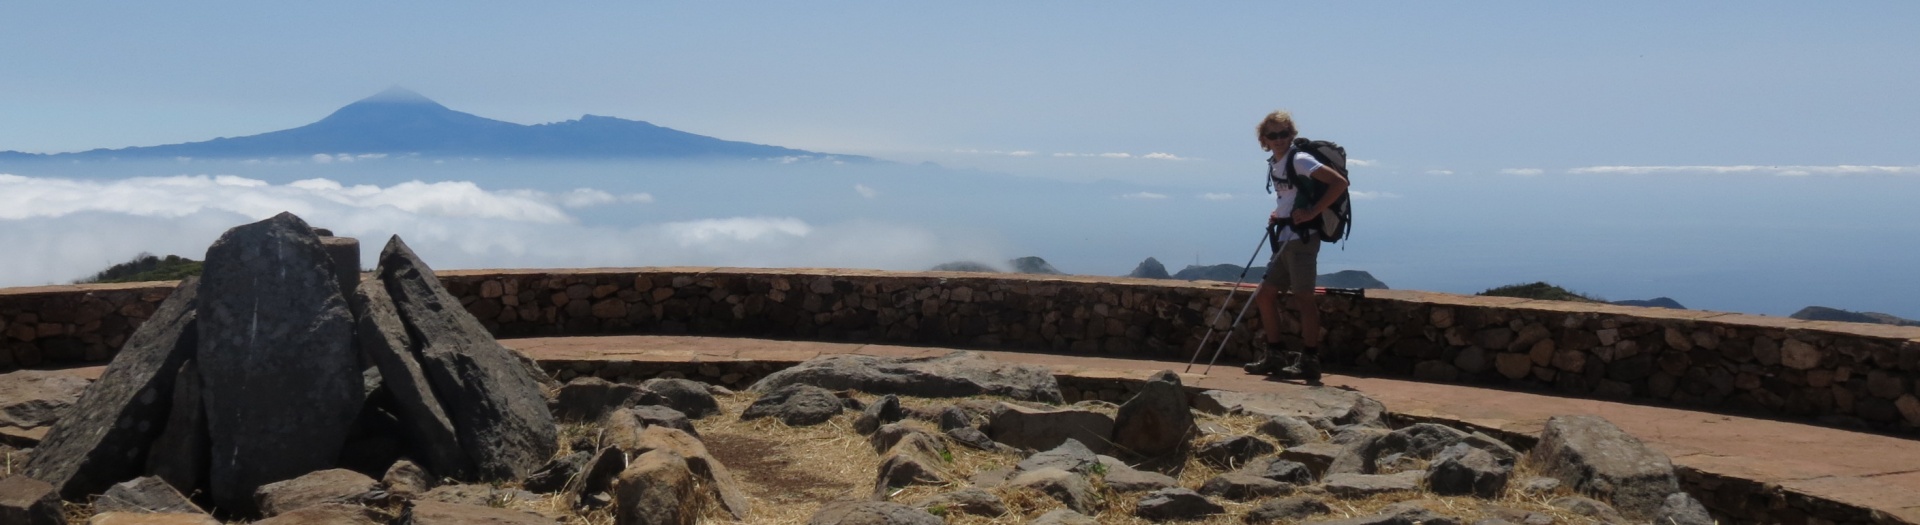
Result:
[[1283, 190]]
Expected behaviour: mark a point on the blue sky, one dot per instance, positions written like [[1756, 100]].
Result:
[[1771, 138]]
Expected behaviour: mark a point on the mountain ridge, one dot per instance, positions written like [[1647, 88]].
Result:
[[398, 121]]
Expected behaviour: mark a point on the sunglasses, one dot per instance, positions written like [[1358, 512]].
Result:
[[1275, 135]]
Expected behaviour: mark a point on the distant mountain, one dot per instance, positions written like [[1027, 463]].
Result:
[[401, 122], [1657, 302], [1538, 290], [963, 266], [1822, 313], [1032, 265], [1350, 279], [1150, 269]]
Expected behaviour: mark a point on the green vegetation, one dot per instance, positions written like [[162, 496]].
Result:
[[1540, 290], [147, 267]]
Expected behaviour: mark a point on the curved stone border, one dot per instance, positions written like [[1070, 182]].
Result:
[[1839, 374]]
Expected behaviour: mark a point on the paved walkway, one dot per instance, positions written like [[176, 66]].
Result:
[[1865, 470]]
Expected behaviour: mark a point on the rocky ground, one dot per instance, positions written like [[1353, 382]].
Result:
[[679, 451]]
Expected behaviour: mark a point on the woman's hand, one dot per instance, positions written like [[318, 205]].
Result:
[[1302, 216]]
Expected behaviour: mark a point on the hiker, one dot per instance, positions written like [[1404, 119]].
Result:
[[1294, 223]]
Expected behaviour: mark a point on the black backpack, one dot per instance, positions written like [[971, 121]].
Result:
[[1337, 222]]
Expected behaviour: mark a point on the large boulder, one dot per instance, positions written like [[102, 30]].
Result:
[[383, 337], [714, 476], [656, 489], [1592, 456], [1037, 429], [957, 374], [104, 436], [35, 398], [1462, 469], [796, 405], [495, 402], [690, 397], [1156, 421], [279, 373], [1342, 407], [1072, 489]]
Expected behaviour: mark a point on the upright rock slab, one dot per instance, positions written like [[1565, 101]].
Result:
[[496, 406], [1594, 457], [104, 437], [280, 377], [957, 374], [382, 337], [1156, 421]]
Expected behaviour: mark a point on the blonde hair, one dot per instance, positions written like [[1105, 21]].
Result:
[[1282, 120]]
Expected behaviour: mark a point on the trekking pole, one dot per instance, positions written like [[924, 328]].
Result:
[[1223, 306], [1271, 232]]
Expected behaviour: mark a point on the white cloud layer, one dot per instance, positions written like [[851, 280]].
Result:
[[1522, 171], [1362, 163], [1439, 172], [865, 191], [1216, 196], [1788, 171], [58, 230], [1143, 196], [1364, 195]]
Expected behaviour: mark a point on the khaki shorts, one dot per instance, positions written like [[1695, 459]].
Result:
[[1295, 267]]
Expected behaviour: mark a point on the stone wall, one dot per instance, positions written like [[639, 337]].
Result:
[[1843, 374], [63, 325]]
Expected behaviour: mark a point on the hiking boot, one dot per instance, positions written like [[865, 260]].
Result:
[[1270, 359], [1307, 368]]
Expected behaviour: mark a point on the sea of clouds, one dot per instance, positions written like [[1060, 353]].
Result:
[[57, 230]]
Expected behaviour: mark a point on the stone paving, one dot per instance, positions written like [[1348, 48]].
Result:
[[1864, 470]]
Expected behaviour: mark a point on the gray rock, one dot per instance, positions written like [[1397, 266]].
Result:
[[1359, 452], [326, 486], [659, 416], [1067, 487], [406, 479], [973, 438], [181, 456], [1592, 456], [1035, 429], [1064, 517], [1176, 504], [972, 501], [1070, 456], [1156, 421], [1339, 406], [655, 490], [795, 405], [1318, 457], [1287, 510], [36, 398], [953, 417], [871, 513], [493, 400], [1681, 509], [1240, 485], [1422, 440], [103, 437], [590, 398], [885, 410], [144, 495], [1352, 486], [1281, 470], [1462, 469], [599, 473], [1233, 452], [29, 501], [957, 374], [279, 372], [905, 466], [553, 477], [892, 434], [716, 477], [1291, 431], [690, 397], [1131, 480], [382, 336]]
